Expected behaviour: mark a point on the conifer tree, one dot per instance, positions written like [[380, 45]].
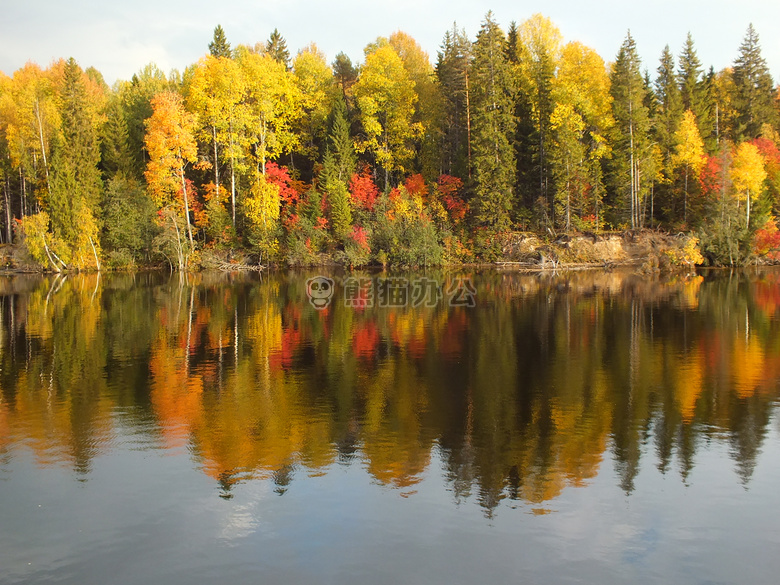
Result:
[[341, 144], [219, 47], [453, 68], [337, 169], [666, 119], [754, 90], [493, 128], [540, 47], [693, 88], [276, 47], [631, 147], [77, 186]]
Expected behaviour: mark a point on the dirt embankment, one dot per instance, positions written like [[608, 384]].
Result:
[[648, 250]]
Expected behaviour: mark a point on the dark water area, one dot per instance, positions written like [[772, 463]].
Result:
[[469, 426]]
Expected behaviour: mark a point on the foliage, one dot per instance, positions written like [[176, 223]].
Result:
[[688, 254], [386, 98], [523, 130], [128, 215], [170, 141], [493, 128]]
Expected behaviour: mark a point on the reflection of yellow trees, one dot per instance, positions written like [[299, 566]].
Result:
[[523, 395], [688, 382], [61, 406], [396, 440]]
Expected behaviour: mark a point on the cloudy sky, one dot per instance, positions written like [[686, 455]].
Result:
[[119, 38]]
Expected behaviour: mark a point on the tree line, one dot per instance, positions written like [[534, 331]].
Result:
[[394, 160]]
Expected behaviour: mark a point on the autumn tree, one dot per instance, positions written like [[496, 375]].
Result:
[[428, 108], [386, 99], [29, 109], [314, 79], [689, 153], [216, 95], [580, 124], [539, 51], [170, 141], [748, 175], [272, 103]]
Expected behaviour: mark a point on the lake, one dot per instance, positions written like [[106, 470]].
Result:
[[464, 426]]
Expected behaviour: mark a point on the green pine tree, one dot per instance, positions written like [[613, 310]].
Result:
[[631, 144], [341, 145], [115, 151], [666, 119], [76, 187], [219, 47], [694, 90], [453, 67], [493, 128], [754, 89], [337, 197], [276, 47]]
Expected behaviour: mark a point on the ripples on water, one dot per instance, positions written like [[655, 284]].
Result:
[[574, 428]]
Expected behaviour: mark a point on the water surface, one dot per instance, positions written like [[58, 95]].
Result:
[[572, 428]]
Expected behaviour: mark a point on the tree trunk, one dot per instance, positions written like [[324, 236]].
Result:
[[43, 146], [8, 230], [468, 124], [186, 207], [216, 159]]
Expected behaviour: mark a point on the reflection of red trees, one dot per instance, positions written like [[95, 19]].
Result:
[[365, 340], [767, 295], [292, 337], [451, 342], [416, 346]]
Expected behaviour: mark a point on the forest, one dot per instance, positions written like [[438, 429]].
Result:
[[253, 155]]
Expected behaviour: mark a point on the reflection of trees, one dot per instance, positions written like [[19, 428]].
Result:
[[522, 396]]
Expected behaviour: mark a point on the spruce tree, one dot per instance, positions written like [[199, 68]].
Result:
[[338, 167], [276, 47], [337, 195], [666, 119], [115, 151], [754, 89], [452, 72], [693, 89], [631, 146], [341, 143], [493, 128], [77, 186], [219, 47]]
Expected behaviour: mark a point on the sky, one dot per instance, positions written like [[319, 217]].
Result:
[[119, 38]]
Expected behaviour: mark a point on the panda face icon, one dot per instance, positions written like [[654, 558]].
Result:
[[320, 291]]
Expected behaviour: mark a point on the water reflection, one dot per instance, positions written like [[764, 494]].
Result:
[[519, 397]]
